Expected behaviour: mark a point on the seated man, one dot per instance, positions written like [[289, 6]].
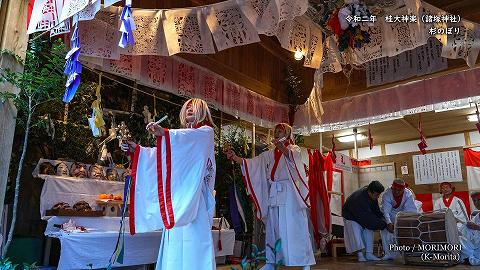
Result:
[[362, 215], [449, 200], [470, 235], [395, 199]]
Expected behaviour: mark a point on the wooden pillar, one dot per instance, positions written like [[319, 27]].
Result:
[[355, 146], [320, 137], [13, 37]]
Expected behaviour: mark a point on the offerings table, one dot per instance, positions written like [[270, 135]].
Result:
[[79, 250], [95, 247]]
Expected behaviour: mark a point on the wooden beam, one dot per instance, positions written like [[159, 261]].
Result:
[[273, 47], [410, 125]]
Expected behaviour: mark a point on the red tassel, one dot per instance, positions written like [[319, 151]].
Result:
[[220, 234], [370, 139], [219, 243], [478, 118], [423, 142]]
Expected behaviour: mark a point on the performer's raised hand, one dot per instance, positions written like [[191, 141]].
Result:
[[128, 146], [231, 154], [155, 129]]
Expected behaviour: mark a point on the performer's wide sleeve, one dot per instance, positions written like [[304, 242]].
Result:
[[254, 172], [169, 180], [410, 203], [387, 206], [144, 207], [462, 210]]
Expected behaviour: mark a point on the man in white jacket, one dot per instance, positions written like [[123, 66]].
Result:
[[449, 200], [395, 199]]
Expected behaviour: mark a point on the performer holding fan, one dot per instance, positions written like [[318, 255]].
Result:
[[172, 189]]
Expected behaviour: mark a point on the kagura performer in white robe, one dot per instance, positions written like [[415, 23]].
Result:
[[172, 190], [449, 200], [278, 184], [470, 235], [395, 199]]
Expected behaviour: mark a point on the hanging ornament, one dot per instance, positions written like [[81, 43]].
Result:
[[422, 145], [334, 149], [97, 124], [127, 26], [370, 138], [73, 67], [478, 118], [65, 119], [147, 115]]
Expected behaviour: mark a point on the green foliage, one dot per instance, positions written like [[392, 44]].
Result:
[[293, 84], [229, 173], [42, 79], [253, 261], [6, 264]]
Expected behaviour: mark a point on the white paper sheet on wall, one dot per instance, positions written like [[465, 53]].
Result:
[[437, 167], [384, 173]]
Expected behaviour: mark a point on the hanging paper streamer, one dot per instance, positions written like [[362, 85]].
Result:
[[422, 145], [73, 68], [119, 252], [370, 139], [478, 118], [128, 25]]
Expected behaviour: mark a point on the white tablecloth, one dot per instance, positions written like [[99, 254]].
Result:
[[96, 246], [71, 190]]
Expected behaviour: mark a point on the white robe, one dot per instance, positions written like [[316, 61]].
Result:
[[390, 214], [457, 206], [470, 240], [185, 212], [281, 204], [357, 237]]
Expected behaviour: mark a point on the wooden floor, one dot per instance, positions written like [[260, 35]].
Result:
[[350, 263]]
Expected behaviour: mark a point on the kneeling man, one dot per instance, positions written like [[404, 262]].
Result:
[[395, 199], [362, 216]]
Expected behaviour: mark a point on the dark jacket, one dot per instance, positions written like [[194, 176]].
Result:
[[360, 208]]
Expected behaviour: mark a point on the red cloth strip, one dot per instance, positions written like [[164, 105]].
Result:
[[277, 154], [249, 182], [165, 196], [449, 201], [131, 206]]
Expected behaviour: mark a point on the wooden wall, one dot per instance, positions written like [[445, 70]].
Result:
[[260, 67], [406, 159]]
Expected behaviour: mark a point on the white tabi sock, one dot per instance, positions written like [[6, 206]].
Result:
[[361, 257]]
